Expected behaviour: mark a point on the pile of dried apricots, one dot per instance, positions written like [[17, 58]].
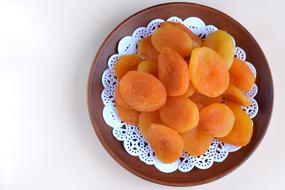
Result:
[[182, 91]]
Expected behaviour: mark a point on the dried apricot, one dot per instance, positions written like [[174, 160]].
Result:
[[241, 76], [217, 120], [172, 37], [147, 50], [120, 101], [148, 67], [242, 131], [126, 63], [190, 91], [142, 91], [234, 94], [208, 72], [173, 72], [147, 118], [167, 143], [179, 113], [202, 101], [196, 41], [223, 44], [127, 115], [196, 142]]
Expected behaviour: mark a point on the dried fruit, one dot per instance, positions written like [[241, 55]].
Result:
[[217, 120], [147, 50], [173, 72], [120, 101], [202, 101], [235, 95], [223, 44], [208, 72], [147, 118], [166, 143], [172, 37], [127, 115], [241, 76], [242, 131], [179, 113], [190, 91], [148, 67], [125, 64], [142, 91]]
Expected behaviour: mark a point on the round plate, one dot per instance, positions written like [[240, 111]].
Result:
[[210, 16]]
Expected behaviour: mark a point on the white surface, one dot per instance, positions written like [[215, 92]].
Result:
[[134, 143], [46, 138]]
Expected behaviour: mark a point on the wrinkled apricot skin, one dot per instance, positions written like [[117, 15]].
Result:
[[148, 67], [179, 113], [147, 118], [196, 41], [208, 72], [167, 144], [147, 50], [127, 115], [173, 72], [190, 91], [241, 76], [223, 44], [173, 38], [242, 131], [125, 64], [217, 120], [202, 101], [196, 142], [142, 91], [120, 101], [235, 95]]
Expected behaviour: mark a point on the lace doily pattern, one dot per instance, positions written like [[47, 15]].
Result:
[[131, 138]]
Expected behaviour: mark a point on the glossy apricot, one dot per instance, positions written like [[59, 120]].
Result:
[[190, 91], [147, 50], [125, 64], [148, 67], [173, 72], [241, 76], [196, 41], [242, 131], [208, 72], [235, 95], [147, 118], [142, 91], [167, 143], [196, 142], [172, 37], [223, 44], [202, 101], [217, 120], [127, 115], [179, 113]]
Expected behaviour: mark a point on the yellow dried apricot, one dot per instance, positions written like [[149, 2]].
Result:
[[120, 101], [173, 72], [147, 118], [127, 115], [208, 72], [190, 91], [148, 67], [125, 64], [179, 113], [142, 91], [202, 101], [167, 143], [235, 95], [147, 50]]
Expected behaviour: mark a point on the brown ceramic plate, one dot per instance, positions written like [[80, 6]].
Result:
[[210, 16]]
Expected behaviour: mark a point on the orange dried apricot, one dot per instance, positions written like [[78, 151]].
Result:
[[196, 41], [148, 67], [217, 120], [147, 50], [173, 72], [142, 91], [208, 72], [241, 76], [127, 115], [147, 118], [196, 142], [242, 131], [179, 113], [126, 63], [223, 44], [202, 101], [172, 37], [234, 94], [120, 101], [190, 91], [167, 143]]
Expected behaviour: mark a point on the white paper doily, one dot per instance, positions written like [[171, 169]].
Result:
[[130, 136]]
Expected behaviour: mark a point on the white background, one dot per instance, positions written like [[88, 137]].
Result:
[[46, 138]]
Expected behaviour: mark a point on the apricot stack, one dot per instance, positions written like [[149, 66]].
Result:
[[182, 92]]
